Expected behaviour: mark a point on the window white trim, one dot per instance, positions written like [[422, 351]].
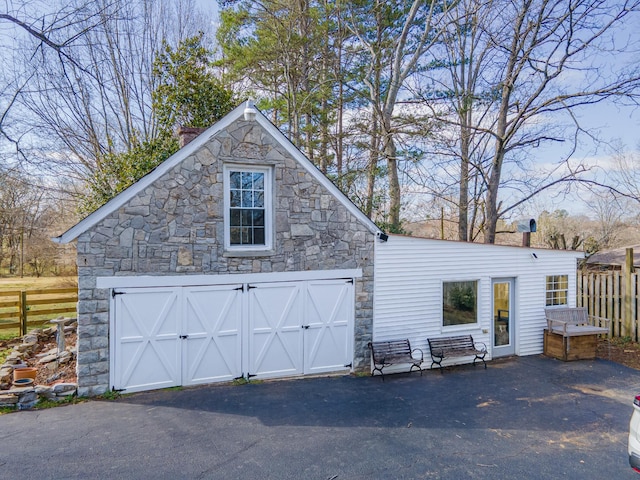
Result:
[[555, 294], [268, 208], [460, 326]]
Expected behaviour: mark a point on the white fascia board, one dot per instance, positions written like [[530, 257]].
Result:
[[126, 195], [223, 279]]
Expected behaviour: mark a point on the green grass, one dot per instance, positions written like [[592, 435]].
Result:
[[110, 395], [44, 403]]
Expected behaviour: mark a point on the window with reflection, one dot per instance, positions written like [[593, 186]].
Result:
[[459, 303]]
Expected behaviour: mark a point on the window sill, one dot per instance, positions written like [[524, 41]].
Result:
[[248, 253], [460, 328]]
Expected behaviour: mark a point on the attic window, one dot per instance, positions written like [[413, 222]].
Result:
[[247, 208]]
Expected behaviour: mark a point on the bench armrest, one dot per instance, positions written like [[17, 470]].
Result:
[[477, 346], [561, 323], [599, 321], [421, 354]]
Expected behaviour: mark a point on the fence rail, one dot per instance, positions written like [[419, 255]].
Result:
[[21, 308]]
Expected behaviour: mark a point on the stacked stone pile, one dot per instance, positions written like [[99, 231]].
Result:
[[25, 353]]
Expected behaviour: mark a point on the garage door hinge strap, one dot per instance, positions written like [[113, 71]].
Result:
[[240, 288], [349, 366], [114, 293]]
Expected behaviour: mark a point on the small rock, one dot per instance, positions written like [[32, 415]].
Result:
[[51, 351], [27, 400], [54, 377], [65, 357], [9, 399], [48, 359], [46, 392], [30, 339], [20, 390], [51, 366], [5, 375], [65, 388], [49, 331], [25, 347], [13, 356]]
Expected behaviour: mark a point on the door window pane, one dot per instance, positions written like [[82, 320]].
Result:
[[501, 313]]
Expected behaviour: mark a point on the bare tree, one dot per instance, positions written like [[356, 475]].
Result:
[[513, 77], [392, 42], [544, 42]]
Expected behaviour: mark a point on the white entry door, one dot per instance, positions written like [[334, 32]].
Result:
[[147, 333], [503, 318]]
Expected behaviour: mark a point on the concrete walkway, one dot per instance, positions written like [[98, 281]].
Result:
[[529, 417]]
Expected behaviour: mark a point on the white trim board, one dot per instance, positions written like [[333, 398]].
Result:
[[237, 113], [224, 279]]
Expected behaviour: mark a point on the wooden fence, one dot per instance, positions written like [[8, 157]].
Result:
[[613, 295], [21, 308]]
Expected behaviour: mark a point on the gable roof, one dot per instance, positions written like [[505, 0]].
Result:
[[126, 195]]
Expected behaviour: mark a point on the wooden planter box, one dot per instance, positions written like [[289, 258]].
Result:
[[579, 347]]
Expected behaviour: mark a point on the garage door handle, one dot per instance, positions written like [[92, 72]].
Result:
[[306, 327], [184, 336]]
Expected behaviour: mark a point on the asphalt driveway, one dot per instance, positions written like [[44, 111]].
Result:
[[529, 417]]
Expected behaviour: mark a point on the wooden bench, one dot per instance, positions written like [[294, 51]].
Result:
[[572, 333], [458, 346], [394, 352]]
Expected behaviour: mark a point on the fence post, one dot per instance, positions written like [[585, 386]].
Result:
[[23, 312], [628, 292]]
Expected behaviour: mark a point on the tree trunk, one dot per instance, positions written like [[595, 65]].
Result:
[[463, 199], [373, 165], [394, 182]]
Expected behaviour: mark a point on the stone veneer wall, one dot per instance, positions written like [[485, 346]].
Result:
[[175, 226]]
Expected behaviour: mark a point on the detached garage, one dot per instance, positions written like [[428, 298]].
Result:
[[236, 257]]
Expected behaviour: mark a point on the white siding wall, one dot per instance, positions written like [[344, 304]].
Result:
[[408, 288]]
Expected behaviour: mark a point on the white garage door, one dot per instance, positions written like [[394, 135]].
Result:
[[189, 335], [177, 336]]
